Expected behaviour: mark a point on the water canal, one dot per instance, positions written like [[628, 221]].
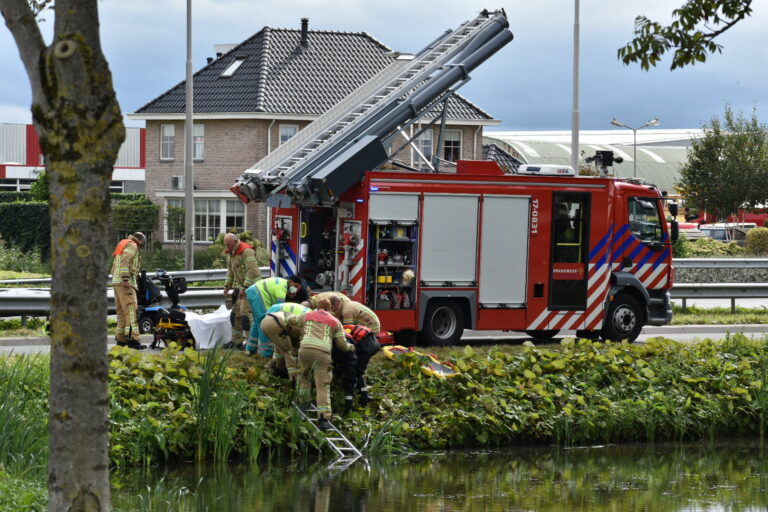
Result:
[[721, 476]]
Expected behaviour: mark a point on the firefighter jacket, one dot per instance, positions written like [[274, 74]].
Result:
[[322, 330], [355, 313], [126, 263], [242, 269], [327, 295], [290, 317]]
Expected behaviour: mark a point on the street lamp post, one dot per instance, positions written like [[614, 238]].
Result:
[[652, 122]]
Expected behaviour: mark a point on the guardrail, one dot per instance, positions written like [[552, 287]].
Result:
[[36, 301], [190, 275], [720, 262]]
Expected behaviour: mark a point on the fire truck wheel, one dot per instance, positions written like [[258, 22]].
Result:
[[146, 325], [542, 335], [443, 323], [624, 319]]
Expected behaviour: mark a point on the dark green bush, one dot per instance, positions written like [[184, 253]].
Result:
[[26, 226], [14, 259], [12, 197]]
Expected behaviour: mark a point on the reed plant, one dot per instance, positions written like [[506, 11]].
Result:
[[23, 413]]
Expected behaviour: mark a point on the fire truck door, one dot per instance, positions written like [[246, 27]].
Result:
[[570, 236]]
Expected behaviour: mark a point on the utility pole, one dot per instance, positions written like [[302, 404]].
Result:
[[575, 113], [189, 169]]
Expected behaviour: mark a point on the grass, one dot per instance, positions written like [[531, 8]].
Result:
[[718, 316]]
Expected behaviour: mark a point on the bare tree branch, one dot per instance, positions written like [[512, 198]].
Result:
[[21, 21]]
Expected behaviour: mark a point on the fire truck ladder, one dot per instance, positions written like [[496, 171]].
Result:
[[343, 447], [332, 153]]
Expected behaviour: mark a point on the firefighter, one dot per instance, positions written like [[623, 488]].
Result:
[[284, 327], [242, 272], [312, 301], [261, 296], [366, 346], [298, 290], [125, 269], [321, 332], [353, 313]]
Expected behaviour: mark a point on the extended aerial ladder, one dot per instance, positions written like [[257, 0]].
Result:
[[333, 152]]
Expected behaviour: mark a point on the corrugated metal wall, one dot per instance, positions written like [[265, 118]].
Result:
[[130, 151], [13, 144]]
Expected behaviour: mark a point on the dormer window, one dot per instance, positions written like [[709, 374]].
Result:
[[233, 67]]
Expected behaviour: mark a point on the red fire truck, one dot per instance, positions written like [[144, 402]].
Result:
[[479, 249], [435, 253]]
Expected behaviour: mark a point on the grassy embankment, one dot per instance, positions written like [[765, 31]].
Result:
[[179, 406]]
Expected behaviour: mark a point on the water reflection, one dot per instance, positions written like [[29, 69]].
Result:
[[728, 476]]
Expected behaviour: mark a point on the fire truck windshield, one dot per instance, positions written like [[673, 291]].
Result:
[[644, 219]]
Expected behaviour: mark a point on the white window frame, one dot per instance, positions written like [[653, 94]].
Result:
[[223, 213], [198, 142], [167, 142], [282, 127], [423, 141], [450, 137]]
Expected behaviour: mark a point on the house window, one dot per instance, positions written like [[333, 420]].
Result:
[[426, 144], [452, 145], [207, 219], [198, 142], [167, 142], [212, 216], [116, 186], [235, 215], [287, 131]]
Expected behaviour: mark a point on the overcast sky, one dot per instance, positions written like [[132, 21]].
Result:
[[527, 85]]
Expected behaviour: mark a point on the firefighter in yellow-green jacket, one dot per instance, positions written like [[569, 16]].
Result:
[[242, 272], [125, 270]]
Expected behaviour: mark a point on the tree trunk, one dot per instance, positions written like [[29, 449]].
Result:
[[80, 138], [80, 126]]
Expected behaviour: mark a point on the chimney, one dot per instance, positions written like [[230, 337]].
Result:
[[209, 59], [219, 54], [304, 33]]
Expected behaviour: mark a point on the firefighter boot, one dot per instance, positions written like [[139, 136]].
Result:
[[135, 344], [120, 340], [348, 404], [324, 424], [364, 400]]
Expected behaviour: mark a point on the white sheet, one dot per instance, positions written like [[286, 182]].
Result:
[[210, 329]]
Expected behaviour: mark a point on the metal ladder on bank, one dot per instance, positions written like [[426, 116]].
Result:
[[347, 452], [360, 113]]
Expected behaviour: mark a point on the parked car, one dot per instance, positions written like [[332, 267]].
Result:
[[728, 232]]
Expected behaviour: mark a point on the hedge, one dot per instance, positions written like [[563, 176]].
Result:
[[26, 225], [12, 197]]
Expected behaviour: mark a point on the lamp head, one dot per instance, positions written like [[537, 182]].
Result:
[[616, 122], [653, 122]]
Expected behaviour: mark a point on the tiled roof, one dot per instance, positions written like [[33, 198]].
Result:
[[506, 161], [278, 76]]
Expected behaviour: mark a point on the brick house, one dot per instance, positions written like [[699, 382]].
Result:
[[255, 96]]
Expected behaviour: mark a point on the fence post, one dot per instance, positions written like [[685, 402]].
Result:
[[685, 305], [733, 305]]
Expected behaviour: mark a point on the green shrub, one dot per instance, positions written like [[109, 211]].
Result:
[[16, 260], [681, 249], [26, 225], [757, 241], [709, 248], [12, 197], [262, 254], [39, 188]]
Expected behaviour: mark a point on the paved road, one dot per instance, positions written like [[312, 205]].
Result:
[[679, 333]]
